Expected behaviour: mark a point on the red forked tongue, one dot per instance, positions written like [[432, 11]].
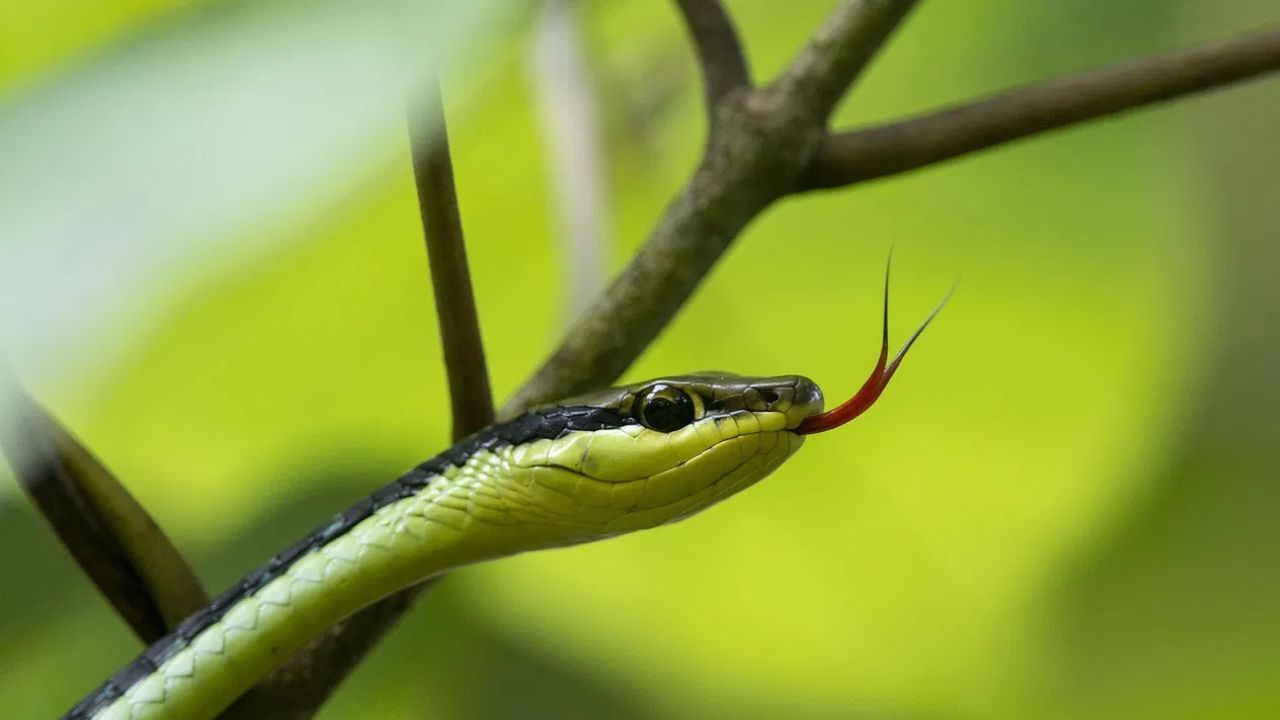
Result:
[[880, 376]]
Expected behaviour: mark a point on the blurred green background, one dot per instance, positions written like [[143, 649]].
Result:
[[1067, 506]]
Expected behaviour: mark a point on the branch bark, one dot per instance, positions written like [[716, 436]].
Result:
[[838, 53], [898, 147], [720, 58], [298, 689], [110, 535]]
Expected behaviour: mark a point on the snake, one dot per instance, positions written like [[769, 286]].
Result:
[[582, 469]]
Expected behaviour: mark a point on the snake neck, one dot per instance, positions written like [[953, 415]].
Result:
[[555, 477], [430, 521], [445, 513]]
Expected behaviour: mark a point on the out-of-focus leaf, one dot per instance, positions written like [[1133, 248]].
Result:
[[36, 38], [1173, 613], [127, 175]]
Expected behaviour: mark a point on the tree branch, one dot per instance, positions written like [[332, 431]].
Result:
[[763, 143], [768, 138], [898, 147], [297, 689], [720, 57], [110, 535], [838, 53], [699, 225]]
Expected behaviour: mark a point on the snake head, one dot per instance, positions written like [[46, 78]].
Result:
[[653, 452]]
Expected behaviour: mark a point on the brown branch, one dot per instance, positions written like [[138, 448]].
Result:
[[769, 137], [763, 143], [898, 147], [297, 689], [110, 535], [698, 227], [838, 53], [720, 57]]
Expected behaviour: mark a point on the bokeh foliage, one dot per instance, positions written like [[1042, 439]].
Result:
[[1063, 508]]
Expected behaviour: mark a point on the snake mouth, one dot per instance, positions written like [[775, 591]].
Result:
[[881, 374]]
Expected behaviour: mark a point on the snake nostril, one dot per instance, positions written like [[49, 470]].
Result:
[[769, 396]]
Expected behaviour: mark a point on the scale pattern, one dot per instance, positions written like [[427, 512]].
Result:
[[320, 559]]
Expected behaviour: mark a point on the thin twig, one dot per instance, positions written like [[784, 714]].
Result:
[[720, 57], [113, 539], [469, 393], [838, 53], [298, 688], [904, 145]]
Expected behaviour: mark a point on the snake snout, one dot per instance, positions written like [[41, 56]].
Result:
[[796, 396], [808, 396], [806, 401]]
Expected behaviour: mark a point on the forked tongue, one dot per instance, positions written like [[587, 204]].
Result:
[[879, 378]]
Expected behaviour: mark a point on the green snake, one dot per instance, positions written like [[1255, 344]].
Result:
[[583, 469]]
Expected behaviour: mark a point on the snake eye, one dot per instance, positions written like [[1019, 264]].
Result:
[[665, 408]]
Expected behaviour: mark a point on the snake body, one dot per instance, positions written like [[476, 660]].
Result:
[[605, 464]]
